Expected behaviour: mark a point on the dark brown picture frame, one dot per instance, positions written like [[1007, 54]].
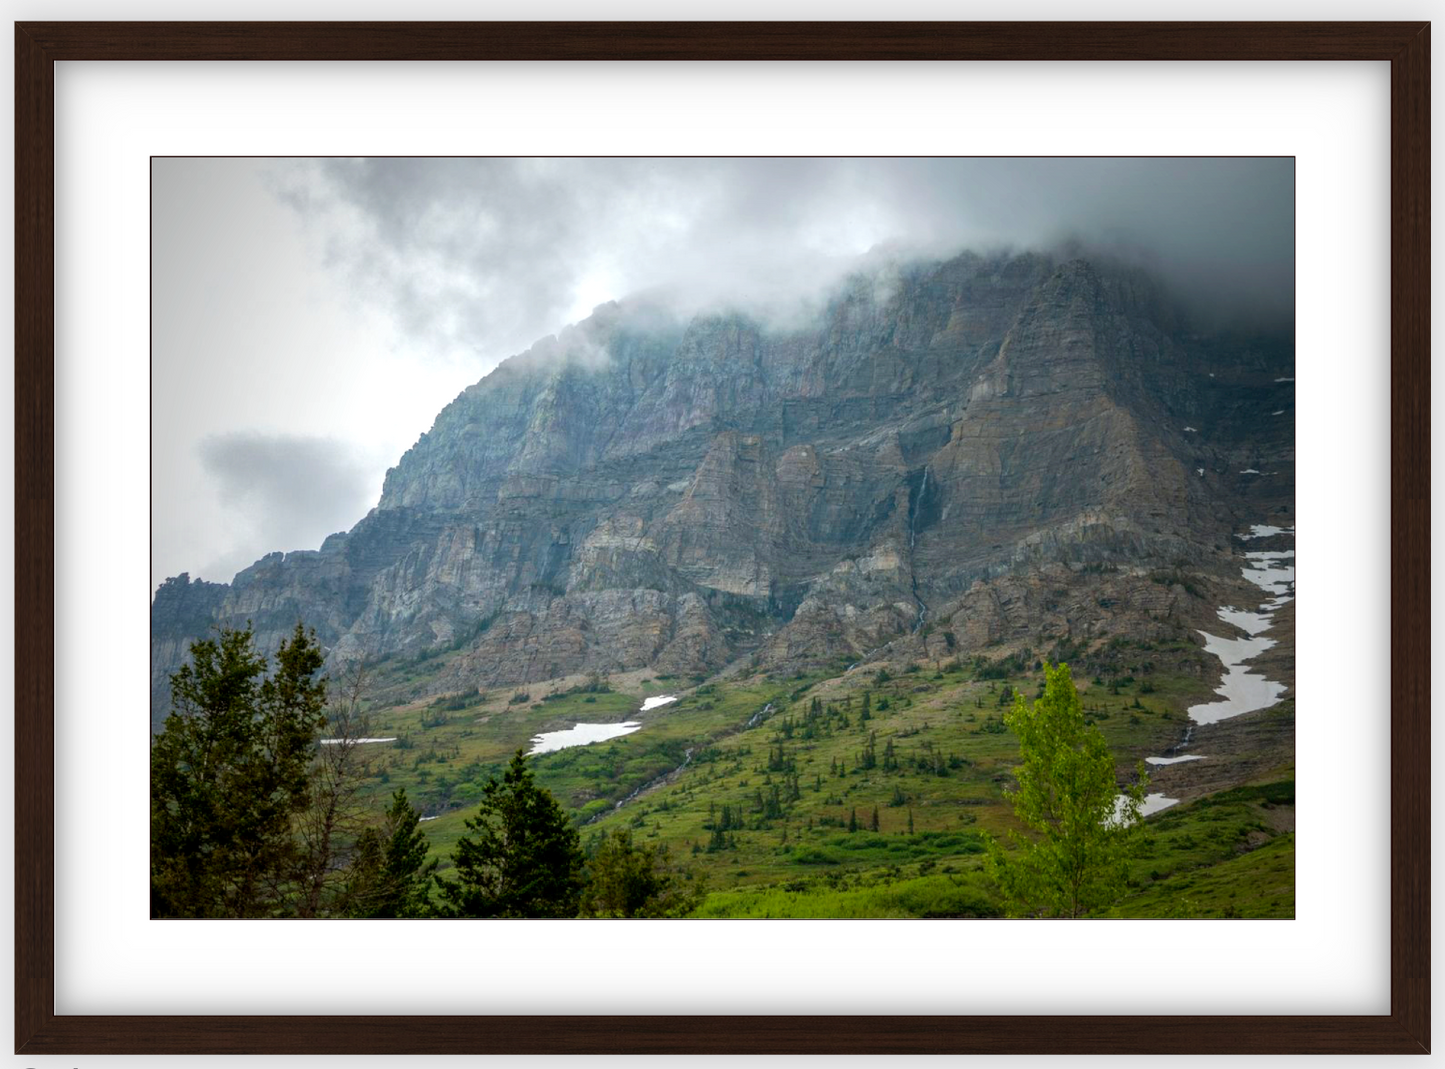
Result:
[[1405, 46]]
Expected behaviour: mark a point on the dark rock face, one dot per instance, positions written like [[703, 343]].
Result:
[[639, 492], [182, 612]]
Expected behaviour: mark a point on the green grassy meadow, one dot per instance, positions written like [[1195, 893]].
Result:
[[856, 794]]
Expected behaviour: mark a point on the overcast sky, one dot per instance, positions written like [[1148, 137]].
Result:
[[311, 317]]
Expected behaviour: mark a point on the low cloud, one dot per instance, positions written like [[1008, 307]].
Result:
[[281, 492], [492, 254]]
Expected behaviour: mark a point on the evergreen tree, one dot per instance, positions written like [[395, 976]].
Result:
[[873, 824], [523, 858], [390, 875], [628, 880], [773, 804], [229, 774], [853, 820], [1083, 828], [329, 828]]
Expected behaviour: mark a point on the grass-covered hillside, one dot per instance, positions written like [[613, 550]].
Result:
[[859, 793]]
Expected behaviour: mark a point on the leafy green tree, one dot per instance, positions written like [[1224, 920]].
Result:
[[1084, 828], [625, 879], [229, 775], [389, 874], [524, 860]]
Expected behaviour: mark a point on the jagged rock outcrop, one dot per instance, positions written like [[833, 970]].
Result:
[[183, 610], [643, 492]]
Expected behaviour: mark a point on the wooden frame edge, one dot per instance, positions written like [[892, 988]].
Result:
[[39, 1031], [34, 539], [1410, 537]]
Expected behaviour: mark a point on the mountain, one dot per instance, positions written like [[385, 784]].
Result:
[[951, 458]]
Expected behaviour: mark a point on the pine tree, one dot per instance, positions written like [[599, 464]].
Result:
[[523, 858], [229, 774], [853, 820], [772, 805], [874, 823], [628, 880], [390, 875], [870, 753]]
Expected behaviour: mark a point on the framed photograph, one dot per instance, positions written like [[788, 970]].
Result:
[[880, 396]]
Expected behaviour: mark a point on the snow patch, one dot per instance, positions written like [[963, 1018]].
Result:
[[1264, 530], [581, 735], [1272, 578], [338, 742], [1244, 691], [1251, 623], [1152, 804]]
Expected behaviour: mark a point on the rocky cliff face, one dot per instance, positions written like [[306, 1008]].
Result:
[[639, 492]]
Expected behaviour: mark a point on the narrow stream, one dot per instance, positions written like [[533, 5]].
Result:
[[753, 722], [914, 505], [758, 716], [649, 785]]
